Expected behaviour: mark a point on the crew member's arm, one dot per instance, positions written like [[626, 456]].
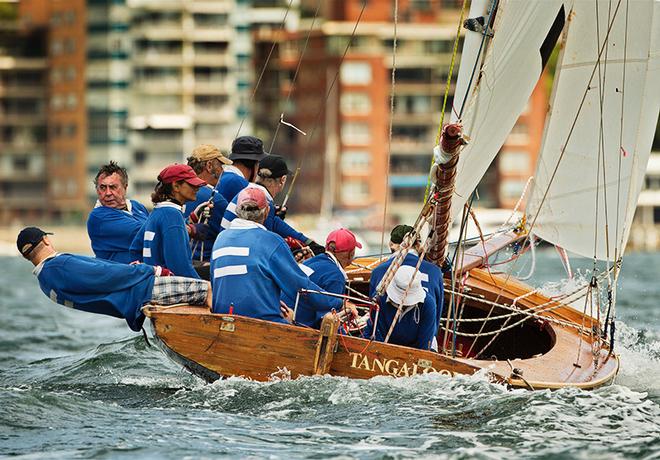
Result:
[[177, 255], [291, 279], [428, 324]]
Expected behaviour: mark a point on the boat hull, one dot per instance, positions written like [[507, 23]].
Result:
[[215, 346]]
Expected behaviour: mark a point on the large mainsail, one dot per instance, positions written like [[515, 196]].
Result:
[[600, 127], [525, 32]]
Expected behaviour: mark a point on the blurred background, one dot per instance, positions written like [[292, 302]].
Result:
[[142, 82]]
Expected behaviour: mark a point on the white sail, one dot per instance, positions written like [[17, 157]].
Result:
[[502, 86], [593, 176]]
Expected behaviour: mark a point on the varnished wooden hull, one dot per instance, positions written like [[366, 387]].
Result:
[[214, 346]]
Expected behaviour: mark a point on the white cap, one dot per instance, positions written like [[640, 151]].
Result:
[[399, 284]]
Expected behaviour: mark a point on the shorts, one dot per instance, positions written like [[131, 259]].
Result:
[[170, 290]]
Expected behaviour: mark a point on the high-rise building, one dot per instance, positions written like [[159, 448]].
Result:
[[340, 96], [67, 114], [23, 109], [192, 77], [108, 72]]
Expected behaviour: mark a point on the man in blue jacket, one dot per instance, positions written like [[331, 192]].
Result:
[[246, 153], [252, 268], [430, 274], [207, 161], [114, 221], [416, 323], [271, 179], [327, 271], [109, 288]]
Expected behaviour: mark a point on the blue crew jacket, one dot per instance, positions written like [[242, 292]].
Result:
[[231, 182], [431, 277], [252, 269], [166, 241], [272, 223], [201, 250], [111, 230], [97, 286], [324, 271], [415, 328]]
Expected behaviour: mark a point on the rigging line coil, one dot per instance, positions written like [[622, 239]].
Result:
[[446, 95]]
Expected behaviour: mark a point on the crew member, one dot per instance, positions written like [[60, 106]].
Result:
[[271, 179], [100, 286], [165, 239], [416, 325], [430, 274], [327, 271], [207, 161], [114, 221], [252, 268], [246, 153]]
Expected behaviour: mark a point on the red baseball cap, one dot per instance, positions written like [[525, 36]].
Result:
[[177, 172], [252, 197], [344, 240]]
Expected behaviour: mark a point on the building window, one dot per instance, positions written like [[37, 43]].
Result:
[[57, 101], [69, 46], [355, 103], [511, 188], [56, 47], [355, 133], [656, 214], [21, 164], [71, 101], [355, 161], [514, 161], [354, 192], [355, 73], [519, 134], [70, 73]]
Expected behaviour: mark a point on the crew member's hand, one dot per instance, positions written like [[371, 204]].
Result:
[[162, 271], [315, 247], [287, 313], [201, 212], [351, 310], [280, 211], [303, 254]]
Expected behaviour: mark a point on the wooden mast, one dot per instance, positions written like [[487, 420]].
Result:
[[444, 174]]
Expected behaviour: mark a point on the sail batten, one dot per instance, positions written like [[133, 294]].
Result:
[[599, 132]]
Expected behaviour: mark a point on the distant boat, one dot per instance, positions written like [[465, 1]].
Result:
[[597, 141]]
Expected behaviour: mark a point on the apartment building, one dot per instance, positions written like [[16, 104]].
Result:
[[23, 109], [108, 77], [192, 78]]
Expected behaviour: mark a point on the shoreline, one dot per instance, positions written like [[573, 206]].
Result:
[[66, 238]]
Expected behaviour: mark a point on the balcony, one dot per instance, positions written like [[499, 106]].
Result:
[[215, 86], [213, 59], [155, 58], [159, 86]]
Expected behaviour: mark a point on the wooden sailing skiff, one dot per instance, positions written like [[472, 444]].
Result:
[[590, 170], [213, 346]]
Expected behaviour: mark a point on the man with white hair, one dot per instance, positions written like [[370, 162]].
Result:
[[416, 323], [252, 268]]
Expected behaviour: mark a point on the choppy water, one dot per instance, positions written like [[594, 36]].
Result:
[[74, 385]]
